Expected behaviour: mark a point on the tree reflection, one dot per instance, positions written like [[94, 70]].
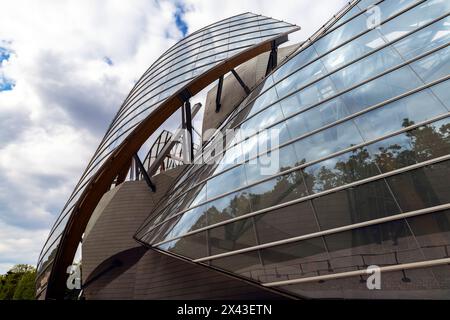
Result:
[[373, 201], [409, 148]]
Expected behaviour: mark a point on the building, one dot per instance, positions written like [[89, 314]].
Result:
[[341, 162]]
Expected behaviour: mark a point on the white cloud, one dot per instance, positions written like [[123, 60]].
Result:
[[65, 96], [18, 245], [66, 93], [308, 14]]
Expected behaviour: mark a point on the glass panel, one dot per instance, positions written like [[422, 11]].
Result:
[[406, 284], [317, 117], [278, 190], [225, 182], [364, 69], [381, 89], [231, 157], [327, 142], [399, 114], [424, 40], [228, 207], [443, 93], [341, 34], [432, 231], [242, 264], [274, 162], [265, 140], [383, 244], [302, 77], [353, 11], [294, 260], [309, 96], [192, 247], [232, 236], [49, 255], [263, 101], [364, 4], [389, 8], [56, 233], [415, 146], [353, 205], [286, 223], [346, 168], [422, 188], [162, 232], [192, 198], [190, 220], [296, 62], [262, 120], [434, 66], [353, 50]]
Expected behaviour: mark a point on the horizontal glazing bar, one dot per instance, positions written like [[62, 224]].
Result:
[[336, 122], [398, 267], [315, 195], [307, 164], [145, 84], [331, 50], [330, 231]]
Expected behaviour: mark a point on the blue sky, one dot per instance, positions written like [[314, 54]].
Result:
[[5, 84], [65, 68], [180, 11]]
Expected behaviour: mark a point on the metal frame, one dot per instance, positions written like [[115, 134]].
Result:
[[99, 161], [100, 182], [424, 87], [219, 94], [168, 146], [341, 45], [351, 88], [273, 59], [241, 82], [338, 69], [398, 267], [128, 111], [145, 85], [142, 171], [354, 226], [302, 199]]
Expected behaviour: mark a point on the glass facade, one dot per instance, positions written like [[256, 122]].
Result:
[[177, 67], [363, 117]]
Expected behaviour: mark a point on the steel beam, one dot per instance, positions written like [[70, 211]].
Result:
[[219, 94], [143, 172], [241, 82]]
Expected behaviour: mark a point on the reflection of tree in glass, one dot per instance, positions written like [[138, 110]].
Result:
[[352, 166], [236, 205], [282, 189], [414, 146]]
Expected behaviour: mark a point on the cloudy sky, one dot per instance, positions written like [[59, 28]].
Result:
[[65, 68]]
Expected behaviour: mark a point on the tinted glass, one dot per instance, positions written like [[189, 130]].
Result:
[[423, 187]]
